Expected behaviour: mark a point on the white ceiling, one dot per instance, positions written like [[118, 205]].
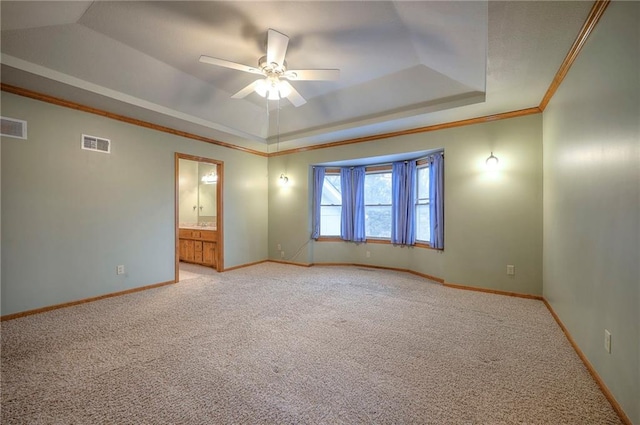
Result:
[[404, 64]]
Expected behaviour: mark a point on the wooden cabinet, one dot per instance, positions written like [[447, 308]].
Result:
[[197, 251], [186, 250], [198, 246], [209, 253]]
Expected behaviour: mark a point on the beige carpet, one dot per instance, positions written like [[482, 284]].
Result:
[[191, 271], [282, 344]]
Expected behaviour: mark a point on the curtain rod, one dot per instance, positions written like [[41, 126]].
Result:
[[428, 156]]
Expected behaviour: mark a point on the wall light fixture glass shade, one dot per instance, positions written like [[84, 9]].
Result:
[[210, 178], [492, 161]]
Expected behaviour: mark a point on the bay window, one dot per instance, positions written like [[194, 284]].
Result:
[[403, 203]]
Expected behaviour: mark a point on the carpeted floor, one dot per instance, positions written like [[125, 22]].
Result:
[[191, 271], [274, 343]]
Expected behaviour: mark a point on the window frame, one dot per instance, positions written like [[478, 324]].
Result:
[[377, 169], [329, 172], [421, 164]]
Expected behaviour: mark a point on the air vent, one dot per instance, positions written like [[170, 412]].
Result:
[[98, 144], [12, 127]]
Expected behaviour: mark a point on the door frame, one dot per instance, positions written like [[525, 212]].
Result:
[[219, 208]]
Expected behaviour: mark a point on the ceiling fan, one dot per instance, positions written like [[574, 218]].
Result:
[[275, 84]]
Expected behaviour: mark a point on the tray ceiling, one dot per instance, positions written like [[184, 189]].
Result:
[[403, 64]]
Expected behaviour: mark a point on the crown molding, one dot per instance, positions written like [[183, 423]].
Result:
[[73, 105], [435, 127], [594, 16]]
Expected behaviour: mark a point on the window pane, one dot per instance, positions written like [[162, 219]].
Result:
[[423, 183], [377, 210], [378, 221], [331, 190], [330, 206], [423, 232], [377, 189], [330, 220]]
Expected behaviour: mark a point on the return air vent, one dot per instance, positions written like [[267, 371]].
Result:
[[12, 127], [97, 144]]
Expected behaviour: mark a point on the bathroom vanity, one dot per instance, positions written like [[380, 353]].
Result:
[[198, 245]]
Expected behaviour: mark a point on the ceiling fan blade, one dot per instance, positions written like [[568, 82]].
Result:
[[229, 64], [246, 91], [276, 47], [312, 74], [294, 97]]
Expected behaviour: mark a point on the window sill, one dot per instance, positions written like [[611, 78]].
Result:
[[424, 245], [329, 239]]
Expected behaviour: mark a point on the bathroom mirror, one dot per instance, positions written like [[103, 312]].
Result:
[[207, 181], [197, 193]]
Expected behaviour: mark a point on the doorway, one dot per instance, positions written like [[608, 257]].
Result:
[[199, 233]]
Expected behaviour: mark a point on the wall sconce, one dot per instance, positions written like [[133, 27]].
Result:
[[210, 178], [283, 179], [492, 162]]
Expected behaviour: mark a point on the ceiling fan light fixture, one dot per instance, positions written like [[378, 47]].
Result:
[[262, 87], [272, 88]]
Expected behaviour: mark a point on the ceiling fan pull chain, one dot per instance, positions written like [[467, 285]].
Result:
[[278, 127]]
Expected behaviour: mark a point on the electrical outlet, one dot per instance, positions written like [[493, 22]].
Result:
[[279, 247], [607, 341], [511, 270], [281, 254], [120, 269], [368, 254]]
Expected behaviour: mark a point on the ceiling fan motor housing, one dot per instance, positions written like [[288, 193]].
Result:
[[272, 69]]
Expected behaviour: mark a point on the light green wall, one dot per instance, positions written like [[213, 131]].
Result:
[[491, 219], [70, 216], [592, 202]]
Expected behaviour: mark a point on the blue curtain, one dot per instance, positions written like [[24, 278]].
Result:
[[352, 219], [346, 218], [436, 200], [318, 183], [403, 192], [357, 179]]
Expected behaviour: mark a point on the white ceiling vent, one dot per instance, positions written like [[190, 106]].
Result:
[[12, 127], [98, 144]]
